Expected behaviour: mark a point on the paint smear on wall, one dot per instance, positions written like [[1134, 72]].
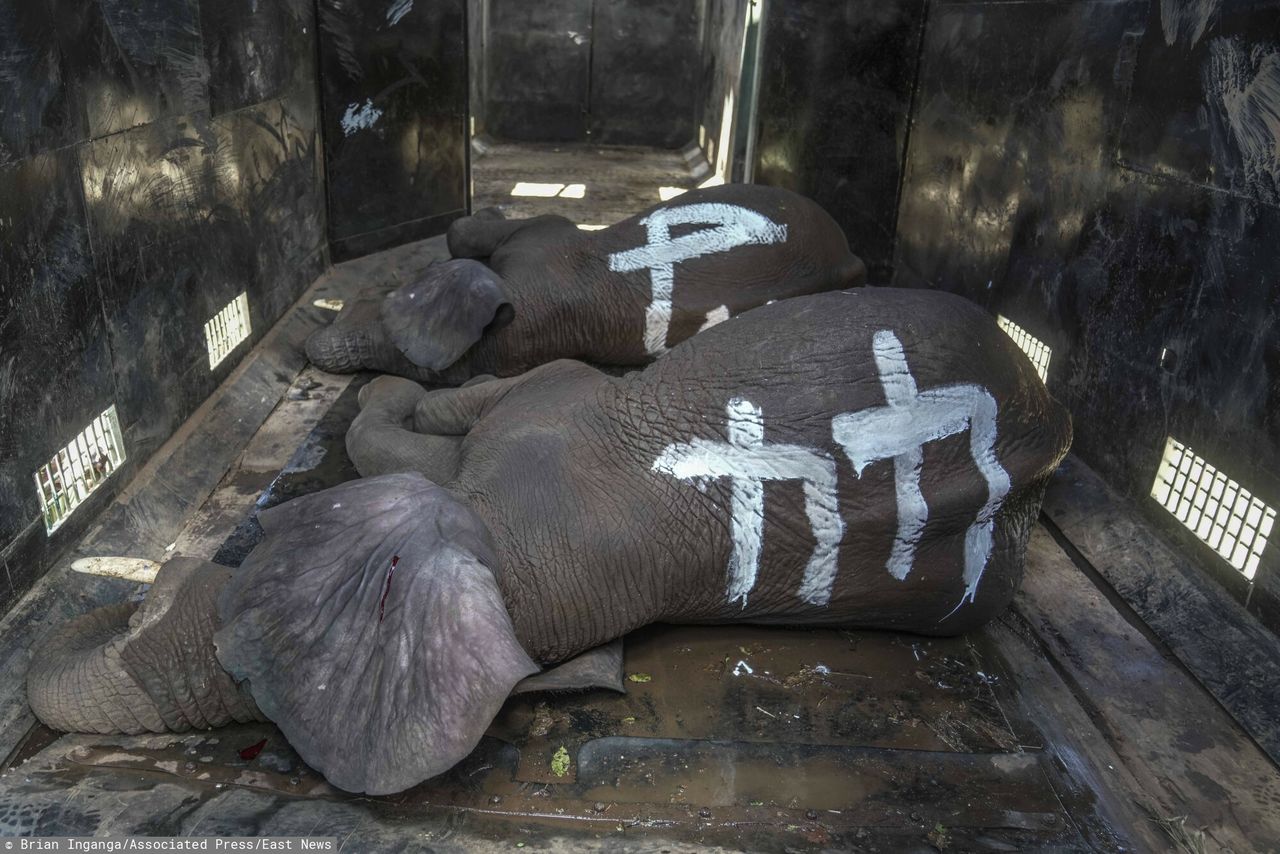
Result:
[[1246, 84], [359, 117], [398, 9], [1186, 20]]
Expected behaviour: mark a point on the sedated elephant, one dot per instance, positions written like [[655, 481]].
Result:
[[870, 458], [521, 293]]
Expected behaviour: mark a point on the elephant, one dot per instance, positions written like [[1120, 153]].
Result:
[[863, 458], [521, 293]]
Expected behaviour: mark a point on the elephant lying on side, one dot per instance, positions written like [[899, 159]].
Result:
[[865, 458], [522, 293]]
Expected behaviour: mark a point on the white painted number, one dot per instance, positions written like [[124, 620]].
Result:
[[749, 462], [734, 226], [897, 431]]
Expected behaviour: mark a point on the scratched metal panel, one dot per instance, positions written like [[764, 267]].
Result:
[[41, 112], [169, 257], [1206, 95], [1166, 264], [129, 217], [257, 50], [186, 214], [133, 61], [394, 88], [55, 374], [273, 150], [835, 90], [644, 73], [1055, 185], [1011, 149], [536, 65]]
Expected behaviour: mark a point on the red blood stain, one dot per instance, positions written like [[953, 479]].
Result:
[[251, 752], [391, 570]]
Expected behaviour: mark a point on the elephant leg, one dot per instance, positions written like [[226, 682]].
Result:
[[480, 236], [600, 667], [454, 411], [380, 440]]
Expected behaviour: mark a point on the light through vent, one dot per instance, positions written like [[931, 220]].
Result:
[[1037, 351], [226, 329], [78, 469], [1217, 509]]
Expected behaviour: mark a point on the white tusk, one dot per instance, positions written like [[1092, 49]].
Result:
[[129, 568]]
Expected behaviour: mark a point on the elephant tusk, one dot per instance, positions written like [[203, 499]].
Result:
[[129, 568]]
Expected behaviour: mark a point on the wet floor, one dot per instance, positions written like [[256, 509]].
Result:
[[743, 736]]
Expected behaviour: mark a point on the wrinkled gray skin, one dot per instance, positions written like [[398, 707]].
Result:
[[526, 292], [382, 623]]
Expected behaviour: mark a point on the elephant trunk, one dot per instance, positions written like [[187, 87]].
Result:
[[356, 340], [142, 668]]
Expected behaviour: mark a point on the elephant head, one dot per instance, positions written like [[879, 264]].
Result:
[[424, 326], [382, 664], [522, 293]]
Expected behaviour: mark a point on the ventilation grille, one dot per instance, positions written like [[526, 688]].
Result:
[[1214, 507], [78, 469], [1037, 351], [227, 329]]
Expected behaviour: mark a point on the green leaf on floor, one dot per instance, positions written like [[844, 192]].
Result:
[[560, 762]]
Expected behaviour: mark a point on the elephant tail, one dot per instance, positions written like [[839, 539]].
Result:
[[131, 668]]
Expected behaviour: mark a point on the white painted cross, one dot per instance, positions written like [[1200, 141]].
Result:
[[899, 431], [749, 462], [734, 226]]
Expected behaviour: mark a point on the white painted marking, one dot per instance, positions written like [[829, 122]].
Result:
[[398, 9], [749, 462], [899, 431], [715, 317], [129, 568], [359, 117], [734, 226]]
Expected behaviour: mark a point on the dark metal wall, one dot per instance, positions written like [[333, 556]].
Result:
[[835, 92], [1112, 187], [394, 87], [615, 72], [724, 33], [156, 160], [1105, 173]]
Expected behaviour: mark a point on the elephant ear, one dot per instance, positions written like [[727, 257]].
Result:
[[437, 317], [372, 632]]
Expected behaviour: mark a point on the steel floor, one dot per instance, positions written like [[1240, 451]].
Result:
[[616, 181]]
